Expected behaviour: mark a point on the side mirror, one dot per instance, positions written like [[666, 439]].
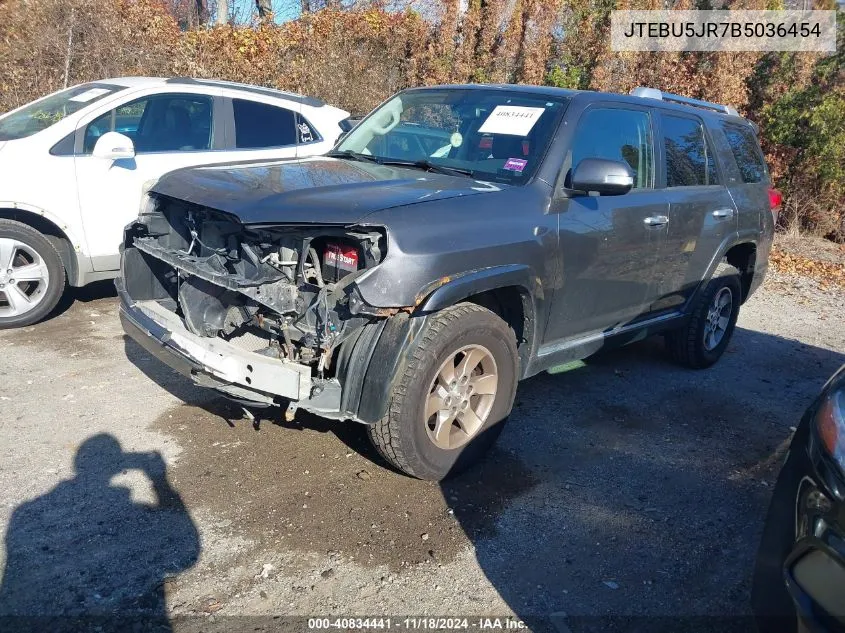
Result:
[[114, 146], [607, 177]]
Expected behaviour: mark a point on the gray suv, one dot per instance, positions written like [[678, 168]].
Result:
[[457, 240]]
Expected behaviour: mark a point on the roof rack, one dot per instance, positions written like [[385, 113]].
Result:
[[654, 93]]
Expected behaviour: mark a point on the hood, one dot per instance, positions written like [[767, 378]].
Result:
[[320, 190]]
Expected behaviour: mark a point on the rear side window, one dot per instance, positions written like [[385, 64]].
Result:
[[746, 152], [259, 125], [620, 135], [689, 157]]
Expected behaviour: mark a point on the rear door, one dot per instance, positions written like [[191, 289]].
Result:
[[609, 244], [747, 179], [702, 215]]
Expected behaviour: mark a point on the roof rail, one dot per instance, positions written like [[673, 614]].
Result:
[[654, 93]]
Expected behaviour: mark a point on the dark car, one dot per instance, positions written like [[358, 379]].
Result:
[[799, 580], [457, 240]]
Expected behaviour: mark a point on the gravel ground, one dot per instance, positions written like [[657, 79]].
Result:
[[626, 488]]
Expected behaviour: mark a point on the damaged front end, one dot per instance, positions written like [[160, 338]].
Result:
[[265, 314]]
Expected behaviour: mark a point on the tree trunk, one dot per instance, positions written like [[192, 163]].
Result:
[[306, 6], [265, 9], [222, 12], [201, 12]]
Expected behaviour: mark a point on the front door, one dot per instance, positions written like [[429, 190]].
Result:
[[609, 244], [169, 131]]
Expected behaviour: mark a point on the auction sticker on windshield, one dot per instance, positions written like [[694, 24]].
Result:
[[513, 120]]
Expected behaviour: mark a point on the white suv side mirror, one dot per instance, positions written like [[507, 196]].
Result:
[[114, 146]]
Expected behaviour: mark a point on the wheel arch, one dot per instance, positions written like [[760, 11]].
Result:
[[62, 240], [743, 257], [507, 291]]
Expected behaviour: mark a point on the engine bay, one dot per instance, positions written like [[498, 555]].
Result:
[[283, 291]]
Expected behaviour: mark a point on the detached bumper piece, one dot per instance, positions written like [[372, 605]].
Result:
[[211, 362]]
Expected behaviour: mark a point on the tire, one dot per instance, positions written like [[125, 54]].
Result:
[[687, 345], [457, 334], [28, 253]]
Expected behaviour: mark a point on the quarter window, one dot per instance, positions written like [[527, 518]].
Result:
[[746, 153], [620, 135], [689, 158], [259, 125]]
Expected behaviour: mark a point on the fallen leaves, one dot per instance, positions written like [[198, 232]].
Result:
[[827, 274]]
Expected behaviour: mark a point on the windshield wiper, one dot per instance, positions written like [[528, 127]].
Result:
[[348, 153], [427, 165]]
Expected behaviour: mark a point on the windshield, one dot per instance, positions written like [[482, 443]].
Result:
[[490, 134], [42, 114]]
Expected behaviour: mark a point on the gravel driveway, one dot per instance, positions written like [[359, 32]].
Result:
[[629, 488]]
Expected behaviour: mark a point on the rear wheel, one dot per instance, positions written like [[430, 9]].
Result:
[[453, 397], [705, 337], [32, 277]]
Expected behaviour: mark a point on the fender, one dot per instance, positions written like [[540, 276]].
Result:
[[450, 290], [77, 244]]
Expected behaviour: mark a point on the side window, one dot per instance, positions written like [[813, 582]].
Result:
[[95, 130], [163, 123], [689, 158], [259, 125], [305, 132], [617, 134], [746, 152]]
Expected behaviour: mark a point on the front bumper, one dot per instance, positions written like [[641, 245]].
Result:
[[211, 362]]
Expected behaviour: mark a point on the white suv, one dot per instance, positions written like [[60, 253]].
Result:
[[75, 164]]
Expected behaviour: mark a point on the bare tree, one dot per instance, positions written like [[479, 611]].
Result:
[[222, 12], [265, 9]]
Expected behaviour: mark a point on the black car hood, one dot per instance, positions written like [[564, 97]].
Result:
[[320, 190]]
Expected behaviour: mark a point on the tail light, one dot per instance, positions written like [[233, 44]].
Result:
[[775, 200]]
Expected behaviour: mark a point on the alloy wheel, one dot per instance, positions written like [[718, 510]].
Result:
[[718, 318], [461, 396], [24, 277]]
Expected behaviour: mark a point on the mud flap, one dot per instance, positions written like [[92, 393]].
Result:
[[379, 355]]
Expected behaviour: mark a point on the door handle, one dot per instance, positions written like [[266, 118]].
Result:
[[656, 220], [722, 214]]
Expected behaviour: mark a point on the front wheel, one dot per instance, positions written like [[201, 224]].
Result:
[[705, 337], [453, 397], [32, 277]]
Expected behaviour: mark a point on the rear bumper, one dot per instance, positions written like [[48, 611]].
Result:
[[210, 362]]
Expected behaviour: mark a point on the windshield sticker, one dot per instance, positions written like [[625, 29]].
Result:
[[513, 120], [88, 95], [515, 164]]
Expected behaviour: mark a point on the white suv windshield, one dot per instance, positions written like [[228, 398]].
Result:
[[42, 114], [490, 134]]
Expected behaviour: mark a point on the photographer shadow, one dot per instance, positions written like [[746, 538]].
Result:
[[86, 556]]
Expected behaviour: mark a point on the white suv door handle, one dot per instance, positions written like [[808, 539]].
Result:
[[656, 220], [721, 214]]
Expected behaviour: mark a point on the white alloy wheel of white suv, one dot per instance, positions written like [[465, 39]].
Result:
[[75, 165]]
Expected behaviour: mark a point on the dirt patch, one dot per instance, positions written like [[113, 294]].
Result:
[[317, 486], [78, 326], [815, 248]]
